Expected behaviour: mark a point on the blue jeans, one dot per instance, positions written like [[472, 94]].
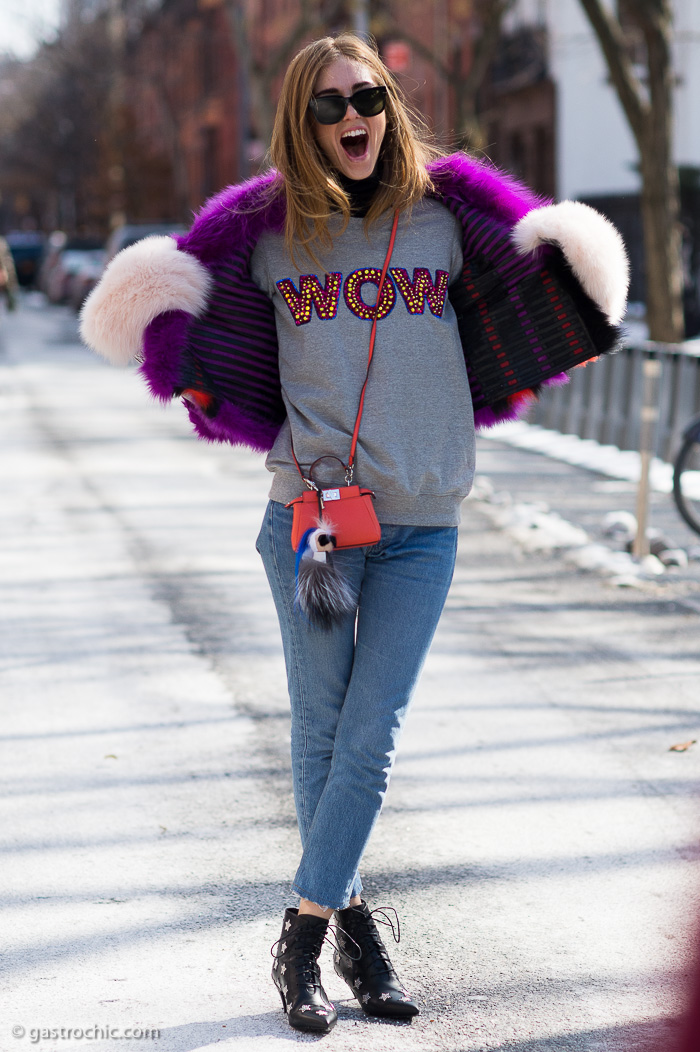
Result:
[[350, 688]]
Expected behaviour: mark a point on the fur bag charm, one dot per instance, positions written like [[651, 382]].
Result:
[[322, 594]]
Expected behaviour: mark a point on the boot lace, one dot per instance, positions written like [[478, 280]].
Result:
[[364, 932], [303, 949]]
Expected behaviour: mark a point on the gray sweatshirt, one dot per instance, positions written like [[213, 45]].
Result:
[[416, 441]]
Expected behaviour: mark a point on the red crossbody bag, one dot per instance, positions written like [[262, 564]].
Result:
[[347, 511]]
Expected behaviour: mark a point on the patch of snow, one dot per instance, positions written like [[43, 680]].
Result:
[[537, 529], [652, 564], [691, 484], [622, 524], [583, 452]]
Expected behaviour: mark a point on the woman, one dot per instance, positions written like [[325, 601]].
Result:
[[259, 317]]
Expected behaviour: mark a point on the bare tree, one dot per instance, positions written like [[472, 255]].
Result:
[[259, 72], [647, 101], [483, 23], [154, 72], [53, 140]]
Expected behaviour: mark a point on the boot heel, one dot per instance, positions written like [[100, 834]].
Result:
[[284, 1003]]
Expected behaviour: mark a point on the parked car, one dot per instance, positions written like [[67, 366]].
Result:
[[52, 252], [130, 233], [27, 248], [73, 258], [85, 276]]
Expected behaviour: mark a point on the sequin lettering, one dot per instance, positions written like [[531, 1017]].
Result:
[[310, 292], [415, 293], [325, 298], [352, 291]]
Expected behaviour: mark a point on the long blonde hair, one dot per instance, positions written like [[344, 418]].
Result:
[[310, 183]]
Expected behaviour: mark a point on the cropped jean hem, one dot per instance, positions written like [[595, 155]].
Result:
[[309, 898]]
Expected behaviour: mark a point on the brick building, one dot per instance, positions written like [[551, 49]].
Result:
[[144, 108], [200, 89], [183, 122], [201, 83], [517, 107]]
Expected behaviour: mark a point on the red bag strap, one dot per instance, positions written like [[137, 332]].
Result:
[[372, 337], [353, 447]]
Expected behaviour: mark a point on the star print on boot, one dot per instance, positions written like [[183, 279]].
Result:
[[296, 974], [372, 978]]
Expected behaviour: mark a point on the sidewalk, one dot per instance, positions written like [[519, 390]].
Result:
[[547, 502], [539, 839]]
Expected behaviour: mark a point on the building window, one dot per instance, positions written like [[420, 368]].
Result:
[[210, 161], [208, 52], [543, 161], [517, 155]]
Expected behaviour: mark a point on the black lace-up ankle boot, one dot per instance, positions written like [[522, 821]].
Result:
[[371, 978], [296, 974]]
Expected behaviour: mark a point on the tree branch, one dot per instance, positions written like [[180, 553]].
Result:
[[310, 21], [425, 53], [652, 9], [612, 41], [486, 45], [656, 27]]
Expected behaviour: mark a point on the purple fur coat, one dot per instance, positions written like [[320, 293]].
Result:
[[523, 319]]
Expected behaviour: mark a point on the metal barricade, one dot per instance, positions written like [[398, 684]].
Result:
[[603, 400]]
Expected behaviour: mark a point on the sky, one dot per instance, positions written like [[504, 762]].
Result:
[[23, 22]]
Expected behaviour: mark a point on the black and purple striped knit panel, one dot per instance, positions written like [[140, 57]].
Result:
[[234, 345], [522, 319]]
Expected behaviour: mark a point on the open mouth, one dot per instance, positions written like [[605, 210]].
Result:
[[355, 143]]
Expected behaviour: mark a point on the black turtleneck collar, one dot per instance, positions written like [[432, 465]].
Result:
[[360, 192]]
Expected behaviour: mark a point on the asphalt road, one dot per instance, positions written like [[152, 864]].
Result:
[[539, 841]]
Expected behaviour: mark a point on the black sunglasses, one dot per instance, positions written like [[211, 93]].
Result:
[[367, 102]]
